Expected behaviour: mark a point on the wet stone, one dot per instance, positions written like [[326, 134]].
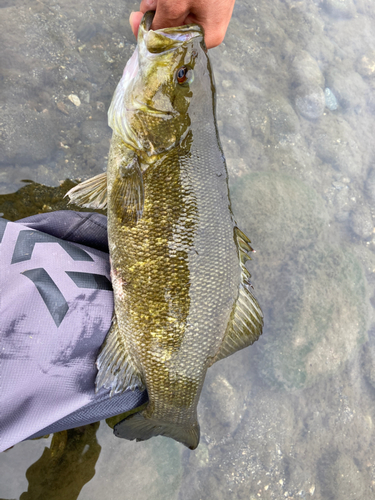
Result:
[[366, 65], [222, 406], [283, 119], [285, 212], [335, 142], [340, 477], [305, 70], [310, 101], [340, 8], [331, 101], [319, 317], [348, 87], [361, 222]]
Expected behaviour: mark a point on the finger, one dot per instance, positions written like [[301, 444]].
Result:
[[214, 18], [214, 35], [135, 20], [147, 5], [170, 13]]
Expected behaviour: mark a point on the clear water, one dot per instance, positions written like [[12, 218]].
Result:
[[292, 416]]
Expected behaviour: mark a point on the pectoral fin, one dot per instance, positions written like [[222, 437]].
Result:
[[116, 370], [128, 191], [246, 323], [91, 193]]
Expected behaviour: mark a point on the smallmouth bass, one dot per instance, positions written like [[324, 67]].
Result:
[[183, 299]]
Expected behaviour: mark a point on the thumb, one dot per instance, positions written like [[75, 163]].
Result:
[[135, 20]]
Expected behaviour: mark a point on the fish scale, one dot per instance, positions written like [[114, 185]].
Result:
[[182, 294]]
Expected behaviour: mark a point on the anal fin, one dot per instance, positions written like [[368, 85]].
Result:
[[246, 322], [91, 193], [116, 370]]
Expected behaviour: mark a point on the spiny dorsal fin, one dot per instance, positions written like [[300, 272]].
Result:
[[246, 323], [115, 368], [91, 193]]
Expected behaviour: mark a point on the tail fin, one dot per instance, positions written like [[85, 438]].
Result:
[[141, 428]]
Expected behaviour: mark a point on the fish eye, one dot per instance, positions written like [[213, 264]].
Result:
[[184, 75]]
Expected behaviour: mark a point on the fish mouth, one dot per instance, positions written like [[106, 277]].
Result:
[[165, 39]]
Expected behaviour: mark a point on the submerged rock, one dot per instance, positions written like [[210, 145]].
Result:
[[348, 87], [305, 70], [310, 101], [282, 117], [361, 222], [280, 213], [331, 101], [337, 143], [316, 308], [319, 317], [340, 477]]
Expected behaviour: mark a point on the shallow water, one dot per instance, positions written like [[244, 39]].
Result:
[[293, 415]]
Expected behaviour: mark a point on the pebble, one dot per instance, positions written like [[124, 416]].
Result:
[[331, 101], [310, 101], [74, 99], [85, 96], [61, 107], [361, 222], [366, 65]]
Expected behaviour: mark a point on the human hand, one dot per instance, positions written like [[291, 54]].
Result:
[[212, 15]]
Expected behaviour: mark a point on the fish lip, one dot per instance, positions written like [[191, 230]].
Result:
[[182, 34], [147, 19]]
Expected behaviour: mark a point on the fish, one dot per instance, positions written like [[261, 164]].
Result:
[[182, 292]]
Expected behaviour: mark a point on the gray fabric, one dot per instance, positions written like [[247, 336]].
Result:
[[54, 314], [86, 228], [100, 408]]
